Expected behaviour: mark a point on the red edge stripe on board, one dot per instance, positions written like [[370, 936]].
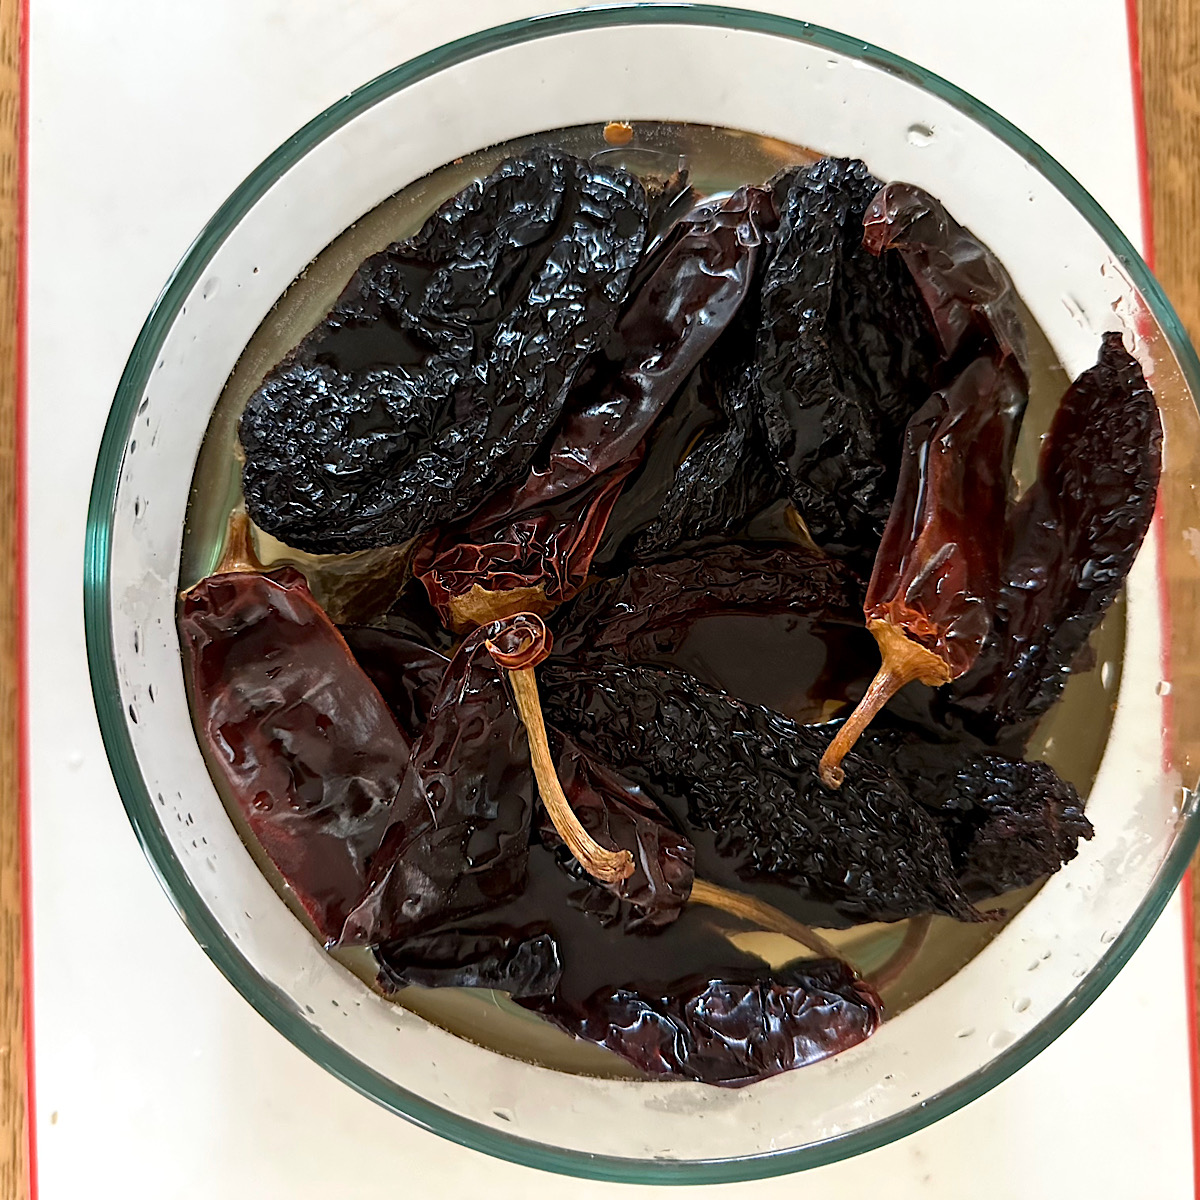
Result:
[[1189, 955], [22, 641]]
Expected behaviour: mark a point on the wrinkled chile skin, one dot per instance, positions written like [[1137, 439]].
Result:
[[845, 356], [750, 776], [730, 1032], [523, 962], [458, 842], [446, 360], [543, 532], [1072, 539], [1009, 822], [308, 748], [620, 816]]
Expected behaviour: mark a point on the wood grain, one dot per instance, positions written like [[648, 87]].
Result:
[[1170, 54], [13, 1174]]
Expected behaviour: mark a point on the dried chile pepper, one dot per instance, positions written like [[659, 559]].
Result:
[[523, 962], [618, 813], [933, 591], [406, 672], [458, 842], [726, 477], [629, 616], [934, 585], [312, 756], [967, 292], [534, 541], [1072, 539], [614, 814], [1025, 824], [733, 1031], [1009, 822], [446, 360], [749, 775], [845, 357]]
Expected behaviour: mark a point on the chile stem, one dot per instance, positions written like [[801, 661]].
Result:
[[608, 866], [238, 556], [903, 662], [747, 908], [910, 944]]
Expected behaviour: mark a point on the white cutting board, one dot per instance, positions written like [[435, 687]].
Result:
[[153, 1078]]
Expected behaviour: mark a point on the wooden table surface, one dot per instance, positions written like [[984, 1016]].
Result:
[[1170, 55]]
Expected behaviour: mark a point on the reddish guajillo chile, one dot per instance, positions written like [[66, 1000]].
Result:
[[933, 589], [529, 547], [272, 679], [1072, 539]]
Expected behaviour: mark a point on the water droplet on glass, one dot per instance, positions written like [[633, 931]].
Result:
[[919, 135], [210, 288], [74, 760], [1075, 309], [1001, 1038], [1108, 673], [1107, 936], [965, 1033], [1163, 688], [1021, 1005]]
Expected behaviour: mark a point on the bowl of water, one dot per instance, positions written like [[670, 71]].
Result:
[[746, 94]]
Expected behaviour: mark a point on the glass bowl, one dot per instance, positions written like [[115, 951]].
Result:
[[743, 70]]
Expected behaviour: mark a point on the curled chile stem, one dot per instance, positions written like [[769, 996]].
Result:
[[904, 661], [522, 643], [756, 912]]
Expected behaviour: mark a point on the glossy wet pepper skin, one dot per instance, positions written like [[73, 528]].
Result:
[[308, 749], [446, 360]]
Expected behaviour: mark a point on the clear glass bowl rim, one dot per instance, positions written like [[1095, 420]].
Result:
[[102, 664]]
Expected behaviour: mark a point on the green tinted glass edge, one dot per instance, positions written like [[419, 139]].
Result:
[[271, 1003]]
